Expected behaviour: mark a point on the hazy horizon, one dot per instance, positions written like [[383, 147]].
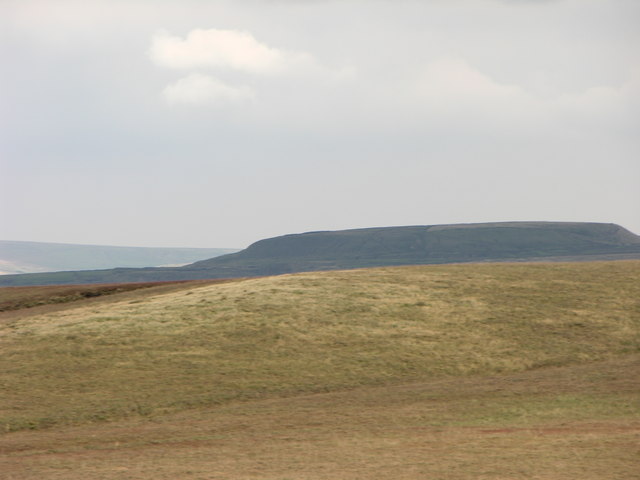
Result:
[[256, 240], [216, 124]]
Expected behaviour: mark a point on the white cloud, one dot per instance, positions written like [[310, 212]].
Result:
[[231, 52], [198, 89], [223, 49], [453, 82], [600, 100], [452, 90]]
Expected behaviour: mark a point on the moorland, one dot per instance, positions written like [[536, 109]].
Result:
[[491, 371]]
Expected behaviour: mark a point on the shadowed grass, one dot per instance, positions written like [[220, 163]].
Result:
[[18, 298]]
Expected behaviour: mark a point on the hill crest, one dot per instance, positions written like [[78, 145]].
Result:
[[452, 243]]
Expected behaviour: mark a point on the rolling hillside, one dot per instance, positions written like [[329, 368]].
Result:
[[413, 245], [312, 332], [31, 257], [448, 371]]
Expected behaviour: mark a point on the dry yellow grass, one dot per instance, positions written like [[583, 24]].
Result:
[[307, 333], [444, 372]]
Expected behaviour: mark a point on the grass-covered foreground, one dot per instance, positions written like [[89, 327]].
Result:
[[465, 371], [558, 423], [311, 333]]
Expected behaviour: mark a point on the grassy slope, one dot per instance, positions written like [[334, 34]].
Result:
[[560, 423], [445, 372], [307, 333], [18, 298]]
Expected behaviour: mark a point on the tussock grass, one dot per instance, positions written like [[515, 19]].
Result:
[[306, 333]]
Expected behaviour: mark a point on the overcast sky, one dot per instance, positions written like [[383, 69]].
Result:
[[205, 123]]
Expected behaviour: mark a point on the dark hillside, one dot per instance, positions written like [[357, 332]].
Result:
[[386, 246], [426, 245]]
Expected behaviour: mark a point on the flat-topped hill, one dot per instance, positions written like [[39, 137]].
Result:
[[416, 245], [385, 246]]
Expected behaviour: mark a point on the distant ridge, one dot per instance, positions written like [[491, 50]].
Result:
[[432, 244], [385, 246], [32, 257]]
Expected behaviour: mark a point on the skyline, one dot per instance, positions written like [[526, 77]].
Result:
[[232, 250], [216, 124]]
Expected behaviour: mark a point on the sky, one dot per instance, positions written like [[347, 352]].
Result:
[[205, 123]]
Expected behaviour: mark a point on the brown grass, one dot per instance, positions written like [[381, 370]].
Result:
[[18, 298], [577, 422], [441, 372], [309, 333]]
